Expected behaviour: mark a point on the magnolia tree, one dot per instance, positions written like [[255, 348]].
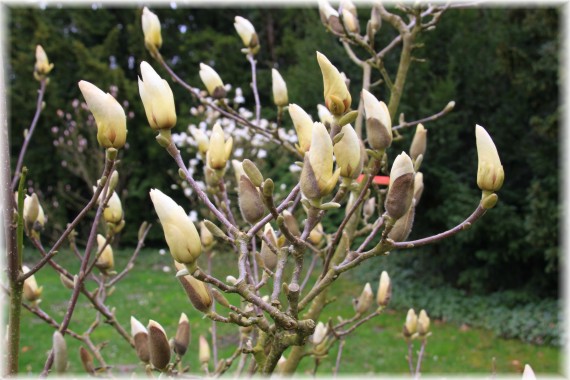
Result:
[[271, 233]]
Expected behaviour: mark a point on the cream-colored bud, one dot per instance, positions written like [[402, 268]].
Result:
[[206, 236], [411, 323], [320, 333], [423, 323], [249, 200], [267, 256], [365, 300], [201, 139], [384, 289], [325, 116], [418, 187], [140, 339], [369, 207], [317, 176], [329, 17], [203, 351], [350, 21], [291, 223], [419, 142], [403, 225], [32, 292], [490, 173], [280, 97], [42, 66], [336, 94], [151, 31], [349, 6], [347, 153], [181, 235], [109, 116], [105, 262], [401, 188], [317, 234], [528, 373], [449, 107], [197, 291], [59, 352], [303, 126], [159, 348], [281, 364], [238, 170], [157, 98], [66, 281], [247, 33], [31, 208], [378, 122], [113, 213], [219, 151], [212, 81], [182, 338]]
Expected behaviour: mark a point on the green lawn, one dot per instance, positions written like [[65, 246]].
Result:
[[149, 292]]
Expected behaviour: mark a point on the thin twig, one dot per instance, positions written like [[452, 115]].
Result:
[[252, 62]]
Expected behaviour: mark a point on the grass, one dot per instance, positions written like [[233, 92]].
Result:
[[150, 291]]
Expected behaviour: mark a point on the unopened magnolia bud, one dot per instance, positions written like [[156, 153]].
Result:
[[59, 352], [231, 280], [449, 107], [203, 351], [140, 339], [401, 188], [215, 230], [201, 139], [419, 142], [281, 364], [157, 98], [182, 337], [249, 199], [347, 153], [317, 176], [31, 208], [375, 21], [151, 31], [219, 151], [158, 345], [212, 81], [247, 33], [369, 207], [269, 258], [42, 66], [86, 360], [423, 323], [411, 323], [291, 223], [109, 116], [418, 187], [238, 170], [325, 116], [252, 172], [384, 289], [113, 213], [350, 21], [32, 292], [378, 122], [66, 281], [403, 225], [219, 297], [349, 6], [365, 300], [528, 373], [105, 262], [303, 126], [280, 97], [489, 200], [320, 333], [490, 173], [181, 235], [316, 235], [197, 291], [336, 94], [206, 236], [329, 17]]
